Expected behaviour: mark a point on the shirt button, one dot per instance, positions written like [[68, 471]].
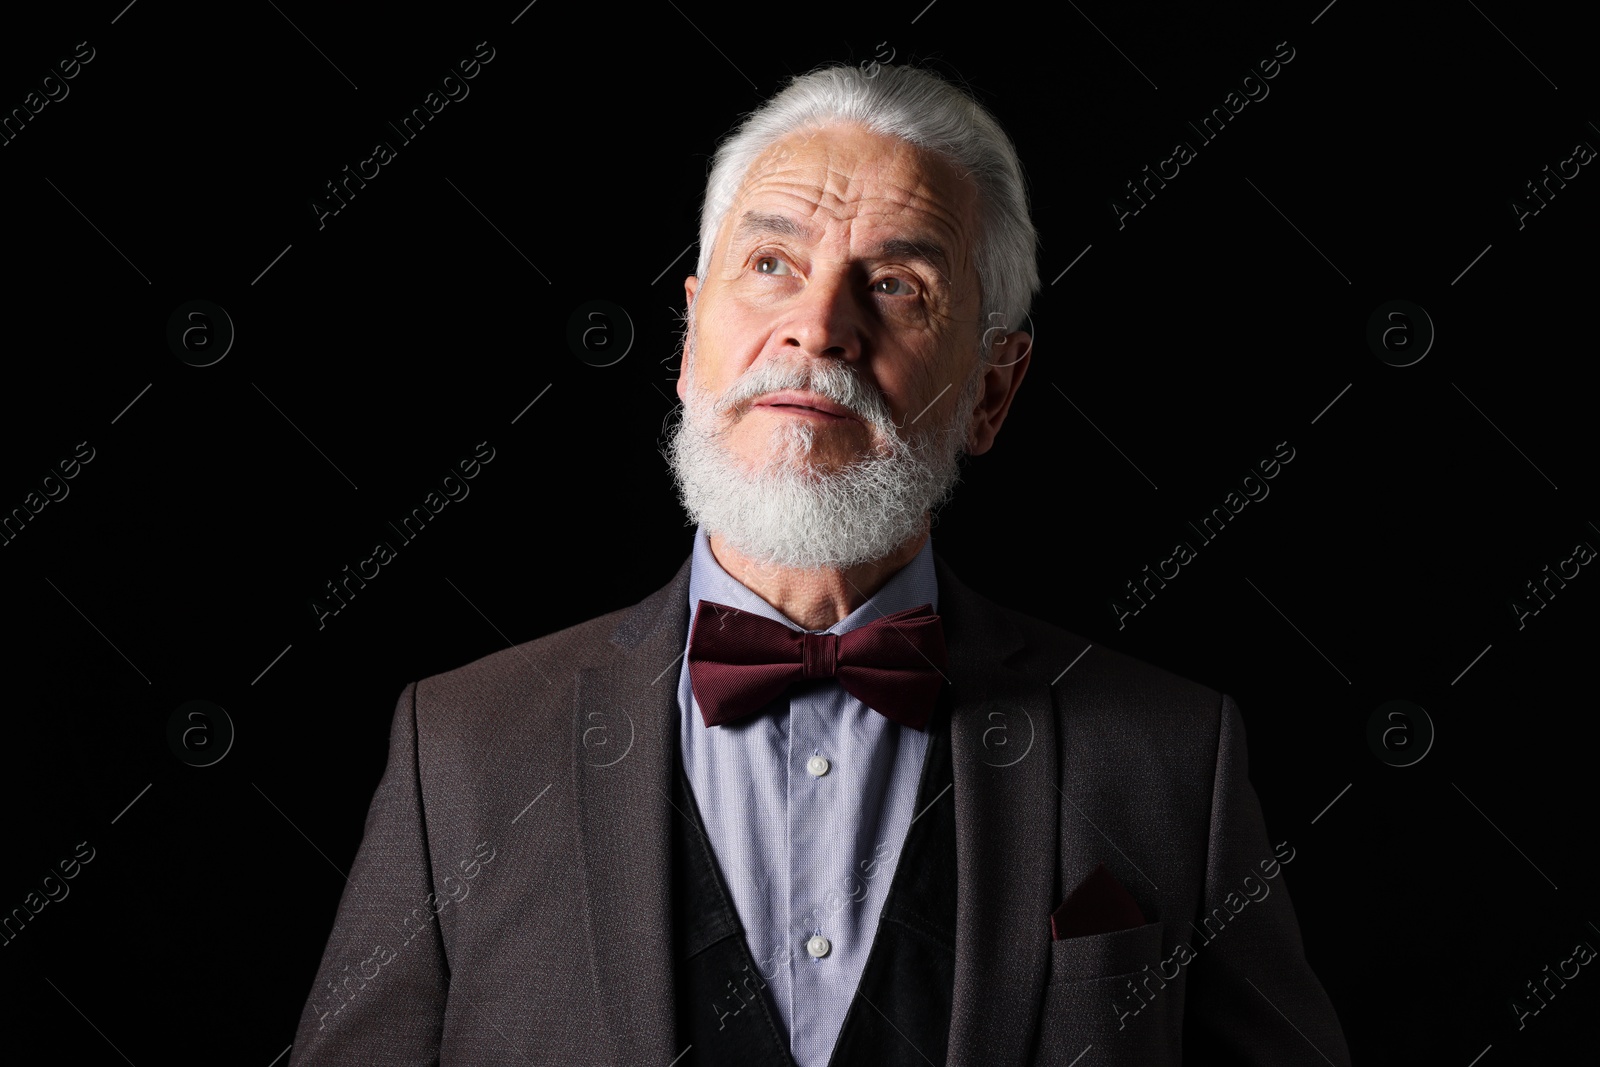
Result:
[[818, 946], [818, 765]]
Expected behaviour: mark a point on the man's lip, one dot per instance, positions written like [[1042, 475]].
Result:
[[791, 398]]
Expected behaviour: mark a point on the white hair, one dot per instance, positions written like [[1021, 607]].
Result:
[[923, 109]]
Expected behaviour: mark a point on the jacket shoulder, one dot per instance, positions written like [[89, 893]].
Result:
[[1100, 695], [535, 680], [539, 662], [1104, 666], [1068, 662]]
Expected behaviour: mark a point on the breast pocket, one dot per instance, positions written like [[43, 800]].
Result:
[[1105, 956], [1107, 1001]]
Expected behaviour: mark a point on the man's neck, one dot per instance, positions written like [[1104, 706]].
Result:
[[815, 599]]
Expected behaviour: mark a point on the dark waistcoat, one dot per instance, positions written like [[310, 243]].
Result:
[[900, 1014]]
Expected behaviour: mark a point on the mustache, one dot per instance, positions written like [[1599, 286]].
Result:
[[831, 381]]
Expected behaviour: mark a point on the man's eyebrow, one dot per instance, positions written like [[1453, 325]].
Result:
[[925, 249], [756, 224], [764, 224]]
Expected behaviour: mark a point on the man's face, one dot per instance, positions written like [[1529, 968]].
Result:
[[833, 372], [850, 247]]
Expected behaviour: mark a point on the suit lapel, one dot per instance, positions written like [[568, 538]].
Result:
[[1003, 749], [626, 715]]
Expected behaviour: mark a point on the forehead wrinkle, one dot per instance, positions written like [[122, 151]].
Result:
[[809, 176], [849, 148], [838, 188], [927, 213]]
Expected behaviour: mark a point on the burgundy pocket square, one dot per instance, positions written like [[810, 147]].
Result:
[[1098, 906]]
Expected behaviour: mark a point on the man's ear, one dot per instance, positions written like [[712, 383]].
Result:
[[691, 285], [1010, 356]]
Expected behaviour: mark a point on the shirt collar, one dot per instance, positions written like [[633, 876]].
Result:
[[911, 586]]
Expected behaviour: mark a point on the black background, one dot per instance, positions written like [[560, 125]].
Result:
[[378, 350]]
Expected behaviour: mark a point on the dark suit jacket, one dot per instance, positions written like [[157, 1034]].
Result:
[[510, 902]]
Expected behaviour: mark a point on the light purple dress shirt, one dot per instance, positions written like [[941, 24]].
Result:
[[806, 812]]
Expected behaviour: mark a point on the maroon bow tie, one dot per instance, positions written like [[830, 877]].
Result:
[[738, 662]]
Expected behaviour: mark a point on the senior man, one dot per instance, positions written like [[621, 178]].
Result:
[[765, 815]]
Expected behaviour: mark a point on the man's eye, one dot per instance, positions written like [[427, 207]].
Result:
[[771, 265], [892, 287]]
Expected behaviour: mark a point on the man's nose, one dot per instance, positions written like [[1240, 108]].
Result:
[[827, 318]]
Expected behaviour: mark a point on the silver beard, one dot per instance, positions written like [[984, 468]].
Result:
[[792, 512]]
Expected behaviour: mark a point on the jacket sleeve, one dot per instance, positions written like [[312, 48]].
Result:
[[1252, 997], [379, 995]]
